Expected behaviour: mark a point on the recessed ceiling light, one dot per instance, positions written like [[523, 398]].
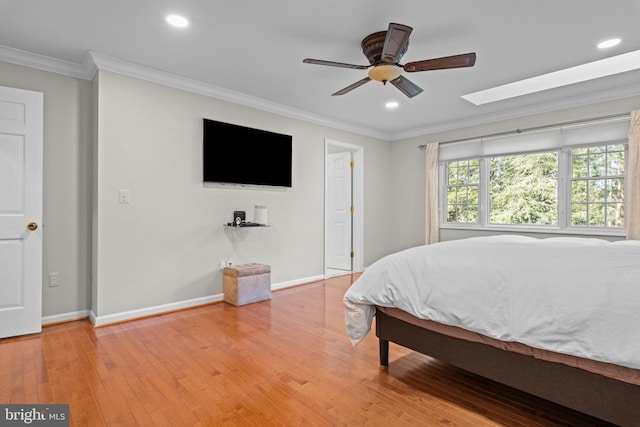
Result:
[[581, 73], [177, 21], [608, 43], [391, 105]]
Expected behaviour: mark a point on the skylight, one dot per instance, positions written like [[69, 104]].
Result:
[[581, 73]]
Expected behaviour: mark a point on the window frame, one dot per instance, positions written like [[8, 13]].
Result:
[[446, 198], [568, 187], [564, 195]]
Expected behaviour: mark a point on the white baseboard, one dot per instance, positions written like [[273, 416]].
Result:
[[180, 305], [65, 317], [151, 311], [290, 283]]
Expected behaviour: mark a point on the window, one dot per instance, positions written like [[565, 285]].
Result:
[[567, 178], [462, 191], [523, 189], [597, 186]]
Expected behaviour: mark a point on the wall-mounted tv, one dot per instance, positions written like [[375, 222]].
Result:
[[233, 154]]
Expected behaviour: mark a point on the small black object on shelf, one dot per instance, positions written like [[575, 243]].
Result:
[[239, 217]]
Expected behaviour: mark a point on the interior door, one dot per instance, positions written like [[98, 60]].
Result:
[[21, 122], [339, 214]]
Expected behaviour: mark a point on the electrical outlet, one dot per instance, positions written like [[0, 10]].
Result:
[[53, 280]]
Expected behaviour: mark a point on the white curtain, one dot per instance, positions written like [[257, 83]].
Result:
[[432, 223], [632, 197]]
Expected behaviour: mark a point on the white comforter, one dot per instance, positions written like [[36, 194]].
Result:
[[575, 296]]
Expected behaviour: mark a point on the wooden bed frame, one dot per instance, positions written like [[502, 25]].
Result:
[[593, 394]]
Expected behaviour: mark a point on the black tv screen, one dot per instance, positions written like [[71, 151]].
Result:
[[234, 154]]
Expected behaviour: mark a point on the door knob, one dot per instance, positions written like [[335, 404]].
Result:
[[32, 225]]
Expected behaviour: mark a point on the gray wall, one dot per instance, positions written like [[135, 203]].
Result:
[[165, 245]]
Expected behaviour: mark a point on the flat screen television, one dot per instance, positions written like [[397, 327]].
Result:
[[234, 154]]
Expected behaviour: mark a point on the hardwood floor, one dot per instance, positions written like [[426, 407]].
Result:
[[283, 362]]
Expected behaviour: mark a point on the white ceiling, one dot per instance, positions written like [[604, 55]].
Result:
[[252, 51]]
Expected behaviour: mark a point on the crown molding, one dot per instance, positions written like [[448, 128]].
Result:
[[46, 63]]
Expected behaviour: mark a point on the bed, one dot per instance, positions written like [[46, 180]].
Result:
[[558, 318]]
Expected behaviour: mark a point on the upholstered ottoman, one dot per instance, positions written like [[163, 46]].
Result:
[[246, 283]]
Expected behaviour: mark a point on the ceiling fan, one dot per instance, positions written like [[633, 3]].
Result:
[[384, 49]]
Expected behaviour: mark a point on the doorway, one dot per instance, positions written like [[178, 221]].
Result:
[[343, 208]]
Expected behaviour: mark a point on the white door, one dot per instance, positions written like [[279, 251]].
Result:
[[339, 214], [21, 121]]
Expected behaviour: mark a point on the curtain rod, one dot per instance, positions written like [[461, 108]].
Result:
[[518, 131]]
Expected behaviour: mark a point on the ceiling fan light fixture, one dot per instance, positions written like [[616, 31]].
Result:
[[384, 49], [384, 73]]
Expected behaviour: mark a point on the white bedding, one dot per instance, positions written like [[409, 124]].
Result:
[[576, 296]]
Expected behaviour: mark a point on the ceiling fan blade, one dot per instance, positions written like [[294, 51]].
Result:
[[455, 61], [406, 86], [352, 86], [334, 64], [395, 43]]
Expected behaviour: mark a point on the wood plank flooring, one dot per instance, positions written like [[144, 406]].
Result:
[[283, 362]]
